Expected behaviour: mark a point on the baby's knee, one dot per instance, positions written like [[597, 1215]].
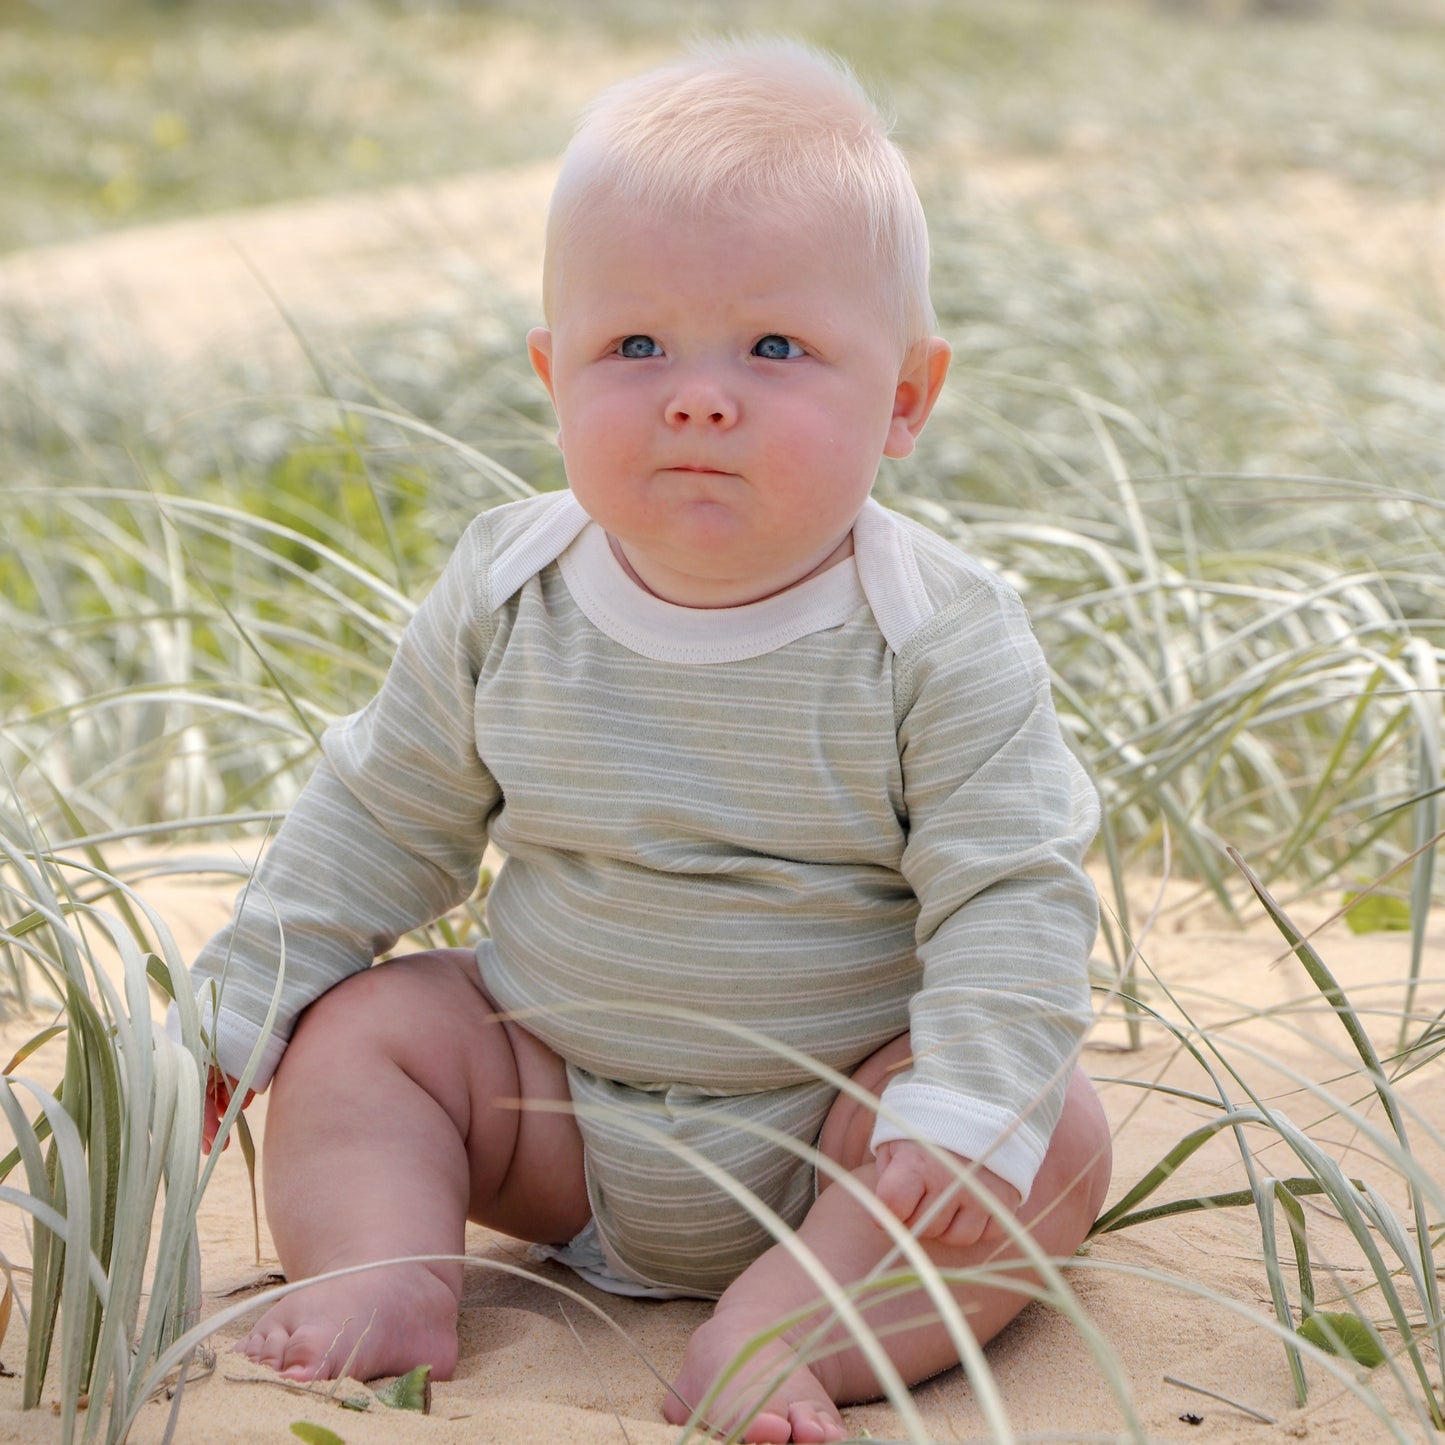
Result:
[[1084, 1143]]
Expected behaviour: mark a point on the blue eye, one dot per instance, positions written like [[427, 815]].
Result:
[[638, 348], [776, 348]]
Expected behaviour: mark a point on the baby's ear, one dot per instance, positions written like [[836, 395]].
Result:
[[539, 349], [919, 383]]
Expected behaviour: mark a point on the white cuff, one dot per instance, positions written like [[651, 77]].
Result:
[[971, 1128], [234, 1039]]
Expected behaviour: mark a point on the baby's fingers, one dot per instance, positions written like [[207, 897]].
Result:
[[960, 1226], [219, 1090], [210, 1123], [901, 1187]]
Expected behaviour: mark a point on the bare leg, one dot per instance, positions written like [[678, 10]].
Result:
[[388, 1128], [1064, 1202]]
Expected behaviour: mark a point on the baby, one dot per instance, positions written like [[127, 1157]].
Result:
[[777, 778]]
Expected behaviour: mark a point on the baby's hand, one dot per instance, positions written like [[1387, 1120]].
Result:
[[911, 1182], [219, 1088]]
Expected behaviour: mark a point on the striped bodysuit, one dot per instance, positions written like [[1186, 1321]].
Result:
[[734, 837]]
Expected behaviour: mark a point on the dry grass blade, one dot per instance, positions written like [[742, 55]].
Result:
[[1420, 1257], [1357, 1205], [128, 1131], [1223, 1399]]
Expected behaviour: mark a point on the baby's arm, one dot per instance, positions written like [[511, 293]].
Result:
[[999, 817], [928, 1198], [386, 836]]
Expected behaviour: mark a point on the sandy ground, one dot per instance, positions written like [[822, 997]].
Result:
[[239, 283], [1176, 1301], [535, 1367]]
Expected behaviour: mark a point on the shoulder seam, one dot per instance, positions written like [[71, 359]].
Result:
[[482, 615], [982, 588], [539, 543], [890, 548], [888, 572]]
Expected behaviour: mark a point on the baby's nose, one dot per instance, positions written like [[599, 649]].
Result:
[[701, 398]]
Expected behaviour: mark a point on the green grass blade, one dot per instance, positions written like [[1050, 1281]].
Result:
[[1279, 1295], [1229, 1199], [1118, 1214], [71, 1279], [1289, 1197]]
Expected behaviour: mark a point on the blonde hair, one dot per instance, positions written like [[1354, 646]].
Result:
[[736, 122]]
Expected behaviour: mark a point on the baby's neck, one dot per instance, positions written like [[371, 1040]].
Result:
[[840, 553]]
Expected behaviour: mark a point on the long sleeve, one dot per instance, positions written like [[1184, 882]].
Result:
[[387, 835], [999, 816]]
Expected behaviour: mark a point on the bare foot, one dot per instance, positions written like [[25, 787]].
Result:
[[393, 1319], [795, 1404]]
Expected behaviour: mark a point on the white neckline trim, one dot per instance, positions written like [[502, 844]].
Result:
[[883, 571], [888, 573], [664, 632], [537, 545]]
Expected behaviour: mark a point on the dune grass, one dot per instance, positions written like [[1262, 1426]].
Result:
[[1220, 492], [121, 1131]]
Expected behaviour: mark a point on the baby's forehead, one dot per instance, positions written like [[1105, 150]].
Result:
[[602, 234], [770, 207], [786, 230], [743, 247]]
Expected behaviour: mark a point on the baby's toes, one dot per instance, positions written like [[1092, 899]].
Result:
[[310, 1354], [767, 1427], [812, 1422], [265, 1345], [298, 1354]]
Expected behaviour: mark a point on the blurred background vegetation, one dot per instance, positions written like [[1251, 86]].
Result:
[[114, 112]]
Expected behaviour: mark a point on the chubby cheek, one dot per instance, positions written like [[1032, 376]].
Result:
[[852, 449], [846, 424], [600, 460], [590, 433]]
